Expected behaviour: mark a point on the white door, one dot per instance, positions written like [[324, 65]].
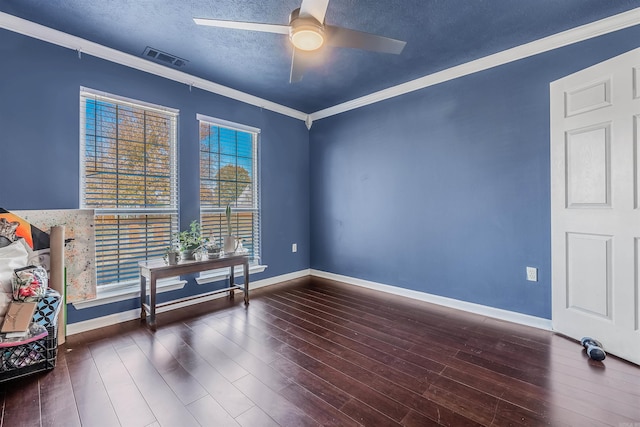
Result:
[[595, 204]]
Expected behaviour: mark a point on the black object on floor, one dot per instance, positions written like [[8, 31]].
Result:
[[594, 348]]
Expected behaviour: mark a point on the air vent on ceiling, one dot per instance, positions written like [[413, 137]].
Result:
[[163, 57]]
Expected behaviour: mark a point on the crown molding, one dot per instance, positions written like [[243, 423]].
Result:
[[83, 46], [555, 41]]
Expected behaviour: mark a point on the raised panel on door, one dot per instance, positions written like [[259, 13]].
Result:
[[636, 160], [636, 287], [588, 98], [589, 274], [587, 166]]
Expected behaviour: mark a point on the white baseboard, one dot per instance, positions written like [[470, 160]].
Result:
[[279, 279], [101, 322], [496, 313], [125, 316]]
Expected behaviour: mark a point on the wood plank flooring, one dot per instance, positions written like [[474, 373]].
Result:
[[315, 352]]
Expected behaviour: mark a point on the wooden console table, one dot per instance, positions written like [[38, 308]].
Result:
[[155, 269]]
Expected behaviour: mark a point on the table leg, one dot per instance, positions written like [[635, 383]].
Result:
[[232, 282], [143, 297], [246, 282], [152, 303]]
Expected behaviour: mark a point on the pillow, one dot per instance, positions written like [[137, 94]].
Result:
[[11, 257], [29, 283]]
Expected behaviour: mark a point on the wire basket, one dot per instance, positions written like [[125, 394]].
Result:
[[37, 355]]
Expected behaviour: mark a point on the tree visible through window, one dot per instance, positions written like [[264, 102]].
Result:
[[229, 176], [129, 177]]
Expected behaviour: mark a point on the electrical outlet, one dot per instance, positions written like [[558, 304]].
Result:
[[294, 247], [532, 274]]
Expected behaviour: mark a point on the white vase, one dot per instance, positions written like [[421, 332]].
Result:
[[229, 244]]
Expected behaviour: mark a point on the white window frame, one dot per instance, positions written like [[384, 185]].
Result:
[[129, 288], [254, 265]]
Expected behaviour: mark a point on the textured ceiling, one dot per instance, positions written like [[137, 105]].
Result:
[[439, 34]]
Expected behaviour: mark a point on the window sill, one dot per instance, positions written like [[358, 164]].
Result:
[[223, 273], [128, 291]]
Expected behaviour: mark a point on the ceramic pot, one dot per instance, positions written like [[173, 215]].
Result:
[[186, 254], [172, 258], [213, 253], [229, 244]]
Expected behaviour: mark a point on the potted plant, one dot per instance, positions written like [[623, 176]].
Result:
[[171, 255], [190, 240], [229, 240]]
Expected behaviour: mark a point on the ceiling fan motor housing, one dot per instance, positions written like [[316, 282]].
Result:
[[306, 33]]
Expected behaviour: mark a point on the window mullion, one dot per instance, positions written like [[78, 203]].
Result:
[[117, 159], [144, 155]]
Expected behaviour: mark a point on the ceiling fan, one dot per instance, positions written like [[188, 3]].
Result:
[[308, 33]]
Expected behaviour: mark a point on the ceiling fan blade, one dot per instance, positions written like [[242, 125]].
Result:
[[239, 25], [344, 37], [302, 61], [315, 8], [299, 64]]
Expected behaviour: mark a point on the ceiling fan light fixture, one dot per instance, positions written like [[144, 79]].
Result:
[[307, 38], [305, 32]]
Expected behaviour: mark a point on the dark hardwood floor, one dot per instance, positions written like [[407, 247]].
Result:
[[316, 352]]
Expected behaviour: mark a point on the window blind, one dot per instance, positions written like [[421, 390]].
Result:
[[129, 176], [229, 176]]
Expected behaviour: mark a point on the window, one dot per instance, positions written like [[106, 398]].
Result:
[[229, 176], [129, 176]]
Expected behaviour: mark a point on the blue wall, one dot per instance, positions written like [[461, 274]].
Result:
[[446, 190], [39, 143]]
